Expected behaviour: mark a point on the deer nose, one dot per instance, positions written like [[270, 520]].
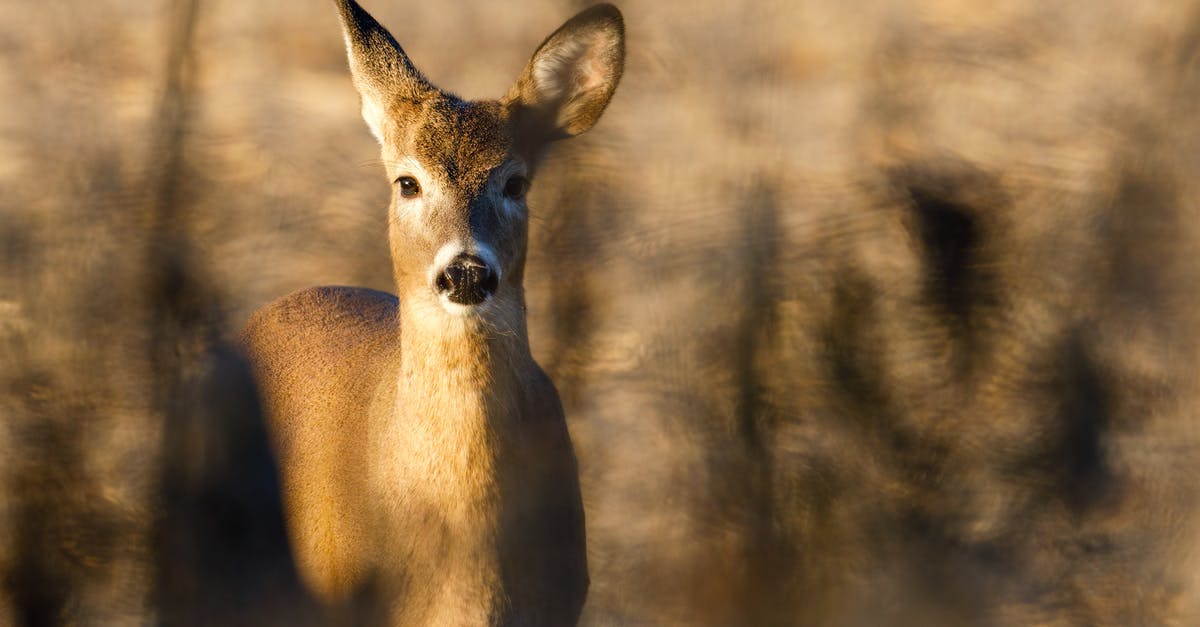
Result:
[[467, 280]]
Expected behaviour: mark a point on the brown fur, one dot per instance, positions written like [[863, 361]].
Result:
[[425, 453]]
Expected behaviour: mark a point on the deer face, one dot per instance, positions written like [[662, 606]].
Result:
[[460, 170], [458, 219]]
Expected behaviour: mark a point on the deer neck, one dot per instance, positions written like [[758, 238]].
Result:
[[459, 392], [441, 446], [444, 423]]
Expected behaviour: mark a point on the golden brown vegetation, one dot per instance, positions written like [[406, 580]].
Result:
[[861, 312]]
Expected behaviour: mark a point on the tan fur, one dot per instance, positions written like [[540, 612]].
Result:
[[424, 453]]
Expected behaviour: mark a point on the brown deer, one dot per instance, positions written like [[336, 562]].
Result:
[[422, 450]]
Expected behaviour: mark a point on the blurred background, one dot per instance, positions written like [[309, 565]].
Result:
[[863, 313]]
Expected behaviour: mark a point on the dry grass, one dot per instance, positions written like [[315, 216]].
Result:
[[862, 312]]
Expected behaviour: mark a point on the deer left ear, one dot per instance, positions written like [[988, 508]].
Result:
[[572, 76]]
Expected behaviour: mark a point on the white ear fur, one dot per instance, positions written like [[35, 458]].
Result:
[[372, 114], [573, 60]]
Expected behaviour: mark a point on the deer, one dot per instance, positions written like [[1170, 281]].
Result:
[[422, 451]]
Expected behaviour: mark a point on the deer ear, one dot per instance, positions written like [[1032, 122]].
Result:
[[572, 76], [382, 73]]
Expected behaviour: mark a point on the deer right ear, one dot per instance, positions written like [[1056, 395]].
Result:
[[382, 72], [572, 76]]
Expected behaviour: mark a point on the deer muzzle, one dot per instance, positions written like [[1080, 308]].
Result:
[[467, 280]]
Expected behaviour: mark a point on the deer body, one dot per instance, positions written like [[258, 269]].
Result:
[[423, 451]]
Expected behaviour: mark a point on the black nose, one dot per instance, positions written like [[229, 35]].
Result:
[[467, 280]]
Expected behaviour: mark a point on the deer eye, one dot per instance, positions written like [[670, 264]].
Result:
[[409, 188], [516, 187]]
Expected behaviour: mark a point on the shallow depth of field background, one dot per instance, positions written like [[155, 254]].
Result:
[[862, 313]]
